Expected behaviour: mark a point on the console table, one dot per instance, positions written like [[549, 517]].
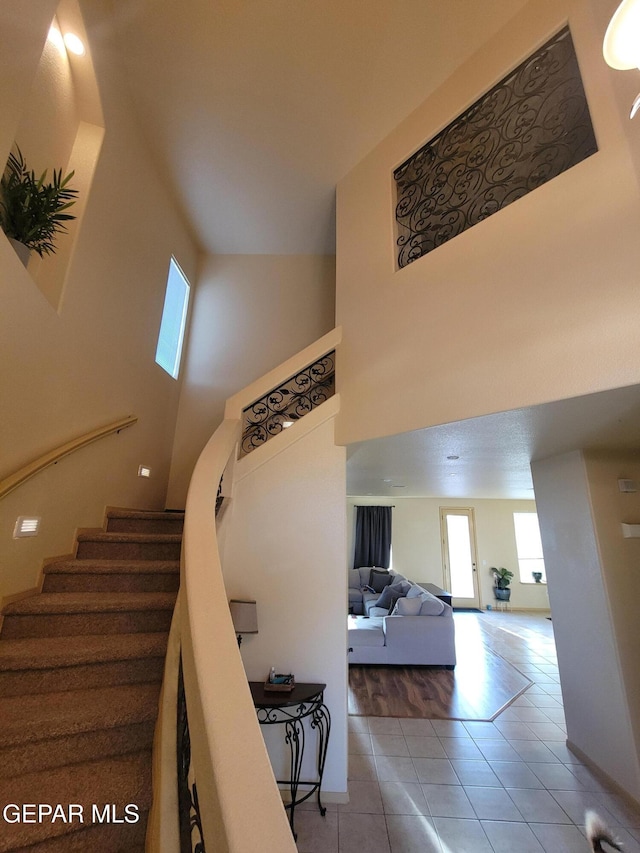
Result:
[[305, 701]]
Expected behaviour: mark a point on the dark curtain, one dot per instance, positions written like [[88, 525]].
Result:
[[373, 536]]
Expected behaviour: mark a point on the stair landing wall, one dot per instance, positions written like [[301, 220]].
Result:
[[285, 545]]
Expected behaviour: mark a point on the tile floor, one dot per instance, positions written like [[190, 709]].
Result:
[[436, 786]]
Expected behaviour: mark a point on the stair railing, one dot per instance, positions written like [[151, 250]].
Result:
[[8, 484], [229, 761], [286, 393], [291, 400], [229, 767]]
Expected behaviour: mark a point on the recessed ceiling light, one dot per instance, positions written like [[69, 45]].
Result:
[[74, 44], [386, 481]]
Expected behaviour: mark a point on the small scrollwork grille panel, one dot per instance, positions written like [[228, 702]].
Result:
[[531, 127], [287, 403]]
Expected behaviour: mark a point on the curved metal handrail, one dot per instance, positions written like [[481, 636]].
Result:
[[52, 456]]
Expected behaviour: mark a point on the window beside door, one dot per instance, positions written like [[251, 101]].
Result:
[[529, 546]]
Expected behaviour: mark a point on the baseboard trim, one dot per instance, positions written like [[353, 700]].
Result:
[[18, 596], [333, 797], [494, 609], [604, 777]]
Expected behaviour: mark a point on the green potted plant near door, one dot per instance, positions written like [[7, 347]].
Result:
[[502, 578], [33, 210]]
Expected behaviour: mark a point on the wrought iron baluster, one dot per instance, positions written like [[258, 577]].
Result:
[[292, 400], [188, 805], [219, 497]]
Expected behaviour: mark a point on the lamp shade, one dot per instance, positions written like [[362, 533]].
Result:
[[244, 615], [621, 46]]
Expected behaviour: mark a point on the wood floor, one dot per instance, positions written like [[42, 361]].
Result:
[[489, 647]]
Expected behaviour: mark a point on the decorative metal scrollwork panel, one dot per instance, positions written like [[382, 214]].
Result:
[[288, 403], [188, 805], [531, 127]]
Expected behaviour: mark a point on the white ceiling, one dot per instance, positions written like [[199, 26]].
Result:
[[255, 109], [495, 450]]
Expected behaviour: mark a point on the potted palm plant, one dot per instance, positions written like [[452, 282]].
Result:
[[33, 210], [502, 578]]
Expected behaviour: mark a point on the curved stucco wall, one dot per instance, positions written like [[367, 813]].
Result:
[[68, 371]]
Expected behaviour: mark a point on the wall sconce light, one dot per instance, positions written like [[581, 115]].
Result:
[[74, 44], [244, 615], [621, 47]]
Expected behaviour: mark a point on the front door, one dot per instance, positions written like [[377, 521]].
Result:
[[457, 527]]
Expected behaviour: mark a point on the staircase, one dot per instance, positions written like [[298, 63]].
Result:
[[80, 673]]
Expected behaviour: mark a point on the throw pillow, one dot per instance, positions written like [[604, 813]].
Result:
[[364, 572], [431, 606], [379, 578], [402, 586], [415, 591], [388, 597], [407, 607], [354, 579]]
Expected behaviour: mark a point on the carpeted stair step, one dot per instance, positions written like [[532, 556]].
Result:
[[75, 726], [108, 838], [57, 614], [137, 521], [118, 781], [112, 576], [100, 545], [71, 749], [55, 664], [81, 669]]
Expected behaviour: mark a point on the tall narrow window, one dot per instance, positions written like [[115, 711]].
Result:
[[174, 318], [529, 547]]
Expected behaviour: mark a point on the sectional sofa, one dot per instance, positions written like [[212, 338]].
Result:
[[395, 621]]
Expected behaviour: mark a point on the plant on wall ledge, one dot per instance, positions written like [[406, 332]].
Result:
[[32, 210]]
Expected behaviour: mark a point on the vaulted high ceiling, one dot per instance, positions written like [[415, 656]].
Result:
[[256, 108]]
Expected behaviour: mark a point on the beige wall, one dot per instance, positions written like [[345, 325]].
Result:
[[536, 303], [284, 547], [66, 372], [417, 551], [251, 313], [589, 569], [620, 560]]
